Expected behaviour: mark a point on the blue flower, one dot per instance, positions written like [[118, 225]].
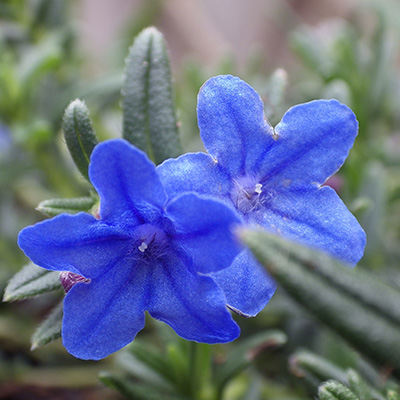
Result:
[[273, 177], [145, 252]]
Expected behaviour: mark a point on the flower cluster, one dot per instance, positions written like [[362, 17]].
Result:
[[163, 241], [271, 176]]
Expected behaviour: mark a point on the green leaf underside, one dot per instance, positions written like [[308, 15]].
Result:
[[31, 281], [50, 329], [54, 207], [79, 135], [302, 271], [333, 390], [149, 120]]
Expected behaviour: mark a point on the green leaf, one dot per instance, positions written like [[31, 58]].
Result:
[[136, 391], [140, 371], [54, 207], [361, 388], [153, 359], [333, 390], [314, 369], [149, 120], [49, 330], [79, 134], [360, 284], [31, 281], [39, 60], [317, 282], [244, 353]]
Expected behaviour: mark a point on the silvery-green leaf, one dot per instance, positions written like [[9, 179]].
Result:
[[336, 295], [79, 134], [31, 281], [49, 330], [149, 120], [54, 207], [333, 390]]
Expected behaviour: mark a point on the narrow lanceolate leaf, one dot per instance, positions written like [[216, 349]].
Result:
[[79, 134], [49, 330], [361, 388], [149, 120], [359, 283], [31, 281], [333, 390], [314, 369], [54, 207], [302, 272]]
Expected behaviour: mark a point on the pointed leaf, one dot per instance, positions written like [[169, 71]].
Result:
[[148, 105], [79, 134], [361, 388], [314, 369], [299, 271], [54, 207], [49, 330], [31, 281], [333, 390]]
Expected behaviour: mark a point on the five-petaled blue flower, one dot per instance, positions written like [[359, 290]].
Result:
[[273, 177], [147, 251]]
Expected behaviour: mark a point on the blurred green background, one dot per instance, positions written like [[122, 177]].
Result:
[[53, 51]]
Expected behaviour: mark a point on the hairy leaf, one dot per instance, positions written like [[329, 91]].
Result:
[[31, 281]]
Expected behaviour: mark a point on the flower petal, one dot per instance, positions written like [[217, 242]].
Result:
[[315, 217], [246, 285], [313, 141], [194, 172], [105, 315], [77, 243], [126, 181], [204, 228], [193, 305], [232, 124]]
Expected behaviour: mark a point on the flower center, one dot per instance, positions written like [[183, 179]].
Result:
[[247, 194], [149, 242]]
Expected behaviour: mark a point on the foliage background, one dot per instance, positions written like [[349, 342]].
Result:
[[291, 51]]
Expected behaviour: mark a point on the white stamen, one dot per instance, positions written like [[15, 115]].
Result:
[[143, 247], [258, 187]]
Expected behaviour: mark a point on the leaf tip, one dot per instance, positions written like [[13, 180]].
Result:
[[6, 298]]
